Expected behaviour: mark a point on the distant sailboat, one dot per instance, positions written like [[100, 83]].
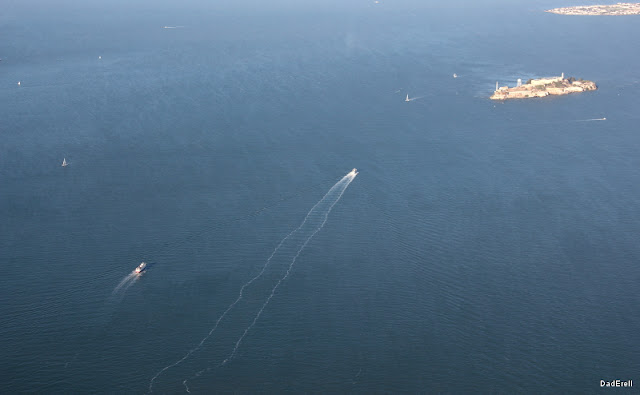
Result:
[[64, 162], [407, 99]]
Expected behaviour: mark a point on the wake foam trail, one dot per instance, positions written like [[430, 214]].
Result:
[[337, 190], [593, 119], [119, 291], [317, 217], [126, 282]]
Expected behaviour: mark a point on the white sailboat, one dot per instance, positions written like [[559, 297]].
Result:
[[407, 99], [64, 162]]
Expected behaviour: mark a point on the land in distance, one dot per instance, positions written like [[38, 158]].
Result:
[[611, 9], [544, 87]]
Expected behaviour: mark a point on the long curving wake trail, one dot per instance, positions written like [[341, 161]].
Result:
[[299, 237]]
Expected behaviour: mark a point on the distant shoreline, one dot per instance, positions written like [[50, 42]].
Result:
[[610, 9]]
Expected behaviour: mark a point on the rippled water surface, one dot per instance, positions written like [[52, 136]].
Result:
[[483, 247]]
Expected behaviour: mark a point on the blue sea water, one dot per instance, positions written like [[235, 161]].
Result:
[[484, 247]]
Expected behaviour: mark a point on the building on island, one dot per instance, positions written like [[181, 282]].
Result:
[[542, 87]]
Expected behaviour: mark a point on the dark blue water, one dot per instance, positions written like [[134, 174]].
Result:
[[484, 246]]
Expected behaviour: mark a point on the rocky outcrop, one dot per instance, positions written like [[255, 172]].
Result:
[[544, 87]]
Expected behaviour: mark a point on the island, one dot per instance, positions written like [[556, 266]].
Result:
[[543, 87], [611, 9]]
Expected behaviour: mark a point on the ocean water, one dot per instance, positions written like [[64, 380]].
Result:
[[484, 247]]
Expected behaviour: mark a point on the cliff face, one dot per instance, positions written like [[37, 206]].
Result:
[[544, 87]]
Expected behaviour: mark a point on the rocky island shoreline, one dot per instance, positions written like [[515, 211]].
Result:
[[543, 87], [611, 9]]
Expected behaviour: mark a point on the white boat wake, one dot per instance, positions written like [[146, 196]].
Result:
[[594, 119], [126, 282], [312, 223]]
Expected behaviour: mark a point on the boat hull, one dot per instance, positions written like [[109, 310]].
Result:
[[141, 268]]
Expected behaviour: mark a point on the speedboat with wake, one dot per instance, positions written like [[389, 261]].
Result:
[[354, 171], [141, 267]]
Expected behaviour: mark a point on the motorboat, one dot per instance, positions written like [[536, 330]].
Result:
[[141, 268], [64, 162], [354, 171], [407, 99]]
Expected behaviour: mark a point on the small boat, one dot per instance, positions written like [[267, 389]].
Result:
[[18, 83], [455, 75], [141, 268], [64, 162], [354, 171], [407, 99]]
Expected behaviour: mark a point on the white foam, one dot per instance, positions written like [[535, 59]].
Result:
[[322, 211], [339, 189], [322, 208], [126, 282], [593, 119]]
